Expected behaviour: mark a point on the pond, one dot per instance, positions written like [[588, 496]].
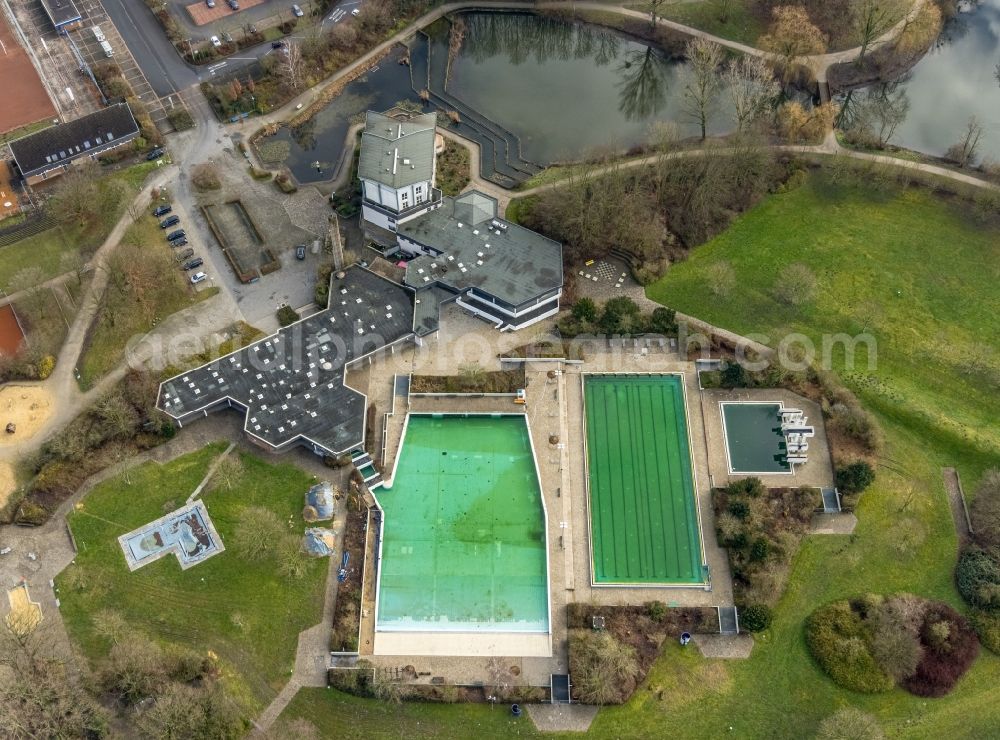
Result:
[[530, 90], [569, 89], [957, 79]]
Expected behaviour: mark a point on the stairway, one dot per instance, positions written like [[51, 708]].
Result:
[[364, 464]]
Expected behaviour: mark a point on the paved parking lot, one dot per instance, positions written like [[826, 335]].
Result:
[[201, 14]]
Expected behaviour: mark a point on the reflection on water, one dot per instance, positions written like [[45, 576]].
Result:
[[956, 80], [569, 88]]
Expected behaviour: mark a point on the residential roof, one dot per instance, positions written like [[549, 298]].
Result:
[[291, 384], [61, 12], [482, 251], [57, 145], [396, 152]]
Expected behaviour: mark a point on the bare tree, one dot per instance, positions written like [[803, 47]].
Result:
[[642, 88], [258, 531], [871, 19], [229, 471], [963, 152], [76, 196], [654, 9], [796, 285], [702, 87], [291, 65], [752, 89]]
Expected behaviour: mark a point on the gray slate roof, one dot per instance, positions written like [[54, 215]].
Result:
[[397, 153], [60, 144], [292, 382], [61, 12], [480, 250]]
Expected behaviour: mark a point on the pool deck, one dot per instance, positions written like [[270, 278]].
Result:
[[555, 406], [817, 472]]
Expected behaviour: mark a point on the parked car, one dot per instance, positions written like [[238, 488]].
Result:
[[297, 11], [196, 262], [155, 154], [198, 277], [182, 242], [99, 34], [234, 4], [227, 37], [210, 3], [185, 255], [356, 12], [163, 210], [215, 41], [300, 252], [175, 235], [170, 221], [277, 44]]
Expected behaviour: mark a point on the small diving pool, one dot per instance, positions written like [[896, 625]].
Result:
[[754, 442]]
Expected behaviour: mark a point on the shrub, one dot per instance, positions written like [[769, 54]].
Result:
[[795, 286], [985, 510], [734, 375], [756, 618], [739, 509], [752, 487], [656, 610], [180, 119], [604, 669], [206, 177], [835, 635], [45, 366], [585, 310], [977, 576], [855, 477], [950, 646], [849, 724], [987, 626], [287, 315]]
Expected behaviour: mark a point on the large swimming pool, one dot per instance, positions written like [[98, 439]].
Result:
[[464, 545]]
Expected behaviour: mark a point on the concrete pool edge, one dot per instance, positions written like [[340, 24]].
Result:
[[706, 583], [429, 639], [725, 438]]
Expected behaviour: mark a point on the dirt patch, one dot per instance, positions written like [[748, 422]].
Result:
[[27, 407], [7, 483], [11, 334]]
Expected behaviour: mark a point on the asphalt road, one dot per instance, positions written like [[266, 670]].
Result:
[[161, 64]]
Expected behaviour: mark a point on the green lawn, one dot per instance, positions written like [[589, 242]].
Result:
[[862, 245], [919, 273], [58, 250], [194, 608], [164, 289], [740, 23]]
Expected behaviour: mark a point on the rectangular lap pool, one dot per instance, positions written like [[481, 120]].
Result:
[[754, 442], [464, 543], [644, 521]]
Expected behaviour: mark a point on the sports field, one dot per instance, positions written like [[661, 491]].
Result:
[[643, 514], [26, 96]]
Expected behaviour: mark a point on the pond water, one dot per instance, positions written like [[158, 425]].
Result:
[[558, 90], [569, 89], [312, 151], [957, 79]]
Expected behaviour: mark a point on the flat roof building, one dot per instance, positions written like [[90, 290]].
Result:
[[458, 249], [290, 385], [63, 14], [50, 152]]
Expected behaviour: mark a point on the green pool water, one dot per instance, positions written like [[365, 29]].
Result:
[[643, 511], [754, 442], [464, 533]]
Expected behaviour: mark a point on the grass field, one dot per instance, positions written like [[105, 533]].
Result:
[[244, 611], [916, 272], [62, 248], [644, 521], [146, 287], [860, 242]]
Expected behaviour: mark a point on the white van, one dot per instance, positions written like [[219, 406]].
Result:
[[98, 34], [108, 51]]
